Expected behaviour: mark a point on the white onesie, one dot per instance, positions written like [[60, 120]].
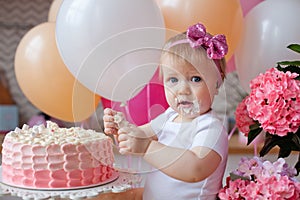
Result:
[[206, 131]]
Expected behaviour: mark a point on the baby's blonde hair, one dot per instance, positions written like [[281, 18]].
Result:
[[184, 53]]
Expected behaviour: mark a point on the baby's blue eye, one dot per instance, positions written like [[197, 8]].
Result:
[[173, 80], [196, 79]]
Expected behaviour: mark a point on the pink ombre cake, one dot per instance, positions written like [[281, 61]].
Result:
[[53, 157]]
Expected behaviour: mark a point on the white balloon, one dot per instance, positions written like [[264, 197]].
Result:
[[110, 46], [269, 28], [122, 77]]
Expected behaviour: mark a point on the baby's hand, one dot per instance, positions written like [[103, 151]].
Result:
[[120, 120], [113, 121], [110, 127], [133, 140]]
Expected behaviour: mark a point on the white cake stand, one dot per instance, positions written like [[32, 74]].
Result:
[[120, 182]]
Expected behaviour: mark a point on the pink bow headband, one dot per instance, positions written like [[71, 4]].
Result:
[[216, 46]]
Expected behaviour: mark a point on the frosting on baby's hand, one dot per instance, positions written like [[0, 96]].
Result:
[[120, 120]]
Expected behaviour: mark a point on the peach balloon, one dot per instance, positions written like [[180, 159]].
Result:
[[219, 17], [54, 8], [46, 81]]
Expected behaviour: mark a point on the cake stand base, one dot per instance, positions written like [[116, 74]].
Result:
[[124, 182]]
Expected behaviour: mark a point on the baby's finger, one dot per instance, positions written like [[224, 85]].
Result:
[[109, 111], [110, 124], [108, 118], [112, 131], [124, 151], [125, 130], [123, 147], [122, 137]]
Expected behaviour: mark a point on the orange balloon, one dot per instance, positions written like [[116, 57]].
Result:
[[46, 81], [53, 11], [218, 16]]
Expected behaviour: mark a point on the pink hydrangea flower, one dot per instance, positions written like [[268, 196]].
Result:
[[267, 180], [274, 101], [277, 169], [248, 167], [236, 190], [243, 121], [269, 188]]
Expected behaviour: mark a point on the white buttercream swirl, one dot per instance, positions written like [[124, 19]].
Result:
[[53, 134]]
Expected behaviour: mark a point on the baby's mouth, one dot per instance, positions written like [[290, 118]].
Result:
[[185, 103], [188, 107]]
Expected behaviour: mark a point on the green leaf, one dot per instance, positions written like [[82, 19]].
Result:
[[293, 63], [254, 126], [291, 68], [286, 144], [284, 151], [298, 132], [296, 142], [270, 143], [254, 132], [234, 177], [297, 165], [294, 47]]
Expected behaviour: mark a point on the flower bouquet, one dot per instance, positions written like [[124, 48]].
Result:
[[273, 108], [258, 179]]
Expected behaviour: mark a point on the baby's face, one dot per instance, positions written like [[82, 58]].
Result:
[[186, 90]]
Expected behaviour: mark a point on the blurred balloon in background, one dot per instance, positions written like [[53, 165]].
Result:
[[45, 80], [36, 120], [269, 28], [53, 11], [123, 77], [42, 118], [110, 46], [219, 17], [249, 5], [145, 106], [246, 7]]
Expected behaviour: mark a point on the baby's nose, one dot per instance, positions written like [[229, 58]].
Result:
[[184, 88]]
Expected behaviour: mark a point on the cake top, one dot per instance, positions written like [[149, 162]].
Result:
[[53, 134]]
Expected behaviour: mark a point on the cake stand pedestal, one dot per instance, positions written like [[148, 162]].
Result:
[[122, 183]]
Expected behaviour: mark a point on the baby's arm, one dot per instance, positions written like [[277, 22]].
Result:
[[131, 139], [135, 140], [185, 165]]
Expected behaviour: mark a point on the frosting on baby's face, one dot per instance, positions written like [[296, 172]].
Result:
[[193, 109], [186, 89]]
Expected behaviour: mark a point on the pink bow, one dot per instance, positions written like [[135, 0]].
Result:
[[216, 46]]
